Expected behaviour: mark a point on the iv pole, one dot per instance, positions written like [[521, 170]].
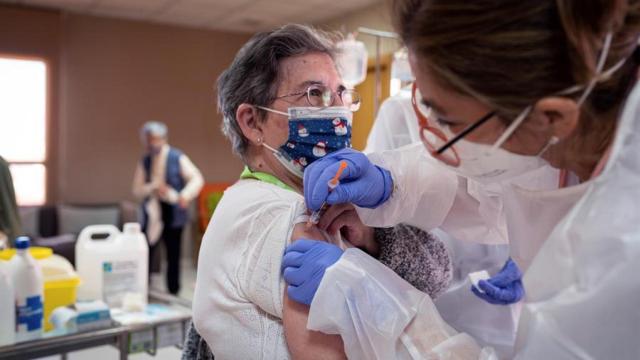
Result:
[[379, 35]]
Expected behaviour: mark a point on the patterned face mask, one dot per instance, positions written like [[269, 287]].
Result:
[[313, 133]]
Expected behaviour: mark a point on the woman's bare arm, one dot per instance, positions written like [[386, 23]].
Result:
[[304, 343]]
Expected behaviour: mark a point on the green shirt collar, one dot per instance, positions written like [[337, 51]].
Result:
[[268, 178]]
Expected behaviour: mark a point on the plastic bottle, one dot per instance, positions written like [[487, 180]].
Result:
[[112, 264], [7, 306], [352, 60], [135, 240], [28, 288]]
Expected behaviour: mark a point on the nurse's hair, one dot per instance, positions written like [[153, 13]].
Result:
[[509, 54], [253, 76]]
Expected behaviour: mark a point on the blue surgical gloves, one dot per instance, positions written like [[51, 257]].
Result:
[[504, 288], [362, 183], [305, 262], [303, 267]]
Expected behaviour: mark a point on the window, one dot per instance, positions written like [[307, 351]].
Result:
[[23, 125]]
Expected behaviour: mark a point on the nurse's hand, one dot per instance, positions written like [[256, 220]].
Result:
[[303, 267], [361, 183], [505, 288]]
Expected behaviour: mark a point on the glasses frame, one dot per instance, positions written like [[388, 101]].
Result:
[[425, 125], [334, 95]]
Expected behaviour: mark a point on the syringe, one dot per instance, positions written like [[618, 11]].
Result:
[[314, 219]]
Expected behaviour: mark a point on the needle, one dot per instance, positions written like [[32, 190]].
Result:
[[332, 184]]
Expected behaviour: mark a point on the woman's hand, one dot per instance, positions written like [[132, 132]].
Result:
[[343, 218]]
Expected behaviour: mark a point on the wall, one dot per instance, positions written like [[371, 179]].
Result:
[[108, 77], [118, 74]]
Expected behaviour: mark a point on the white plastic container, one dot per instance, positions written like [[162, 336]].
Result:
[[28, 290], [112, 264], [7, 306]]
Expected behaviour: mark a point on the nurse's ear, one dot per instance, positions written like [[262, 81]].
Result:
[[560, 114], [250, 123]]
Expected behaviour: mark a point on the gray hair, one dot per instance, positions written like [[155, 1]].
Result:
[[154, 128], [253, 76]]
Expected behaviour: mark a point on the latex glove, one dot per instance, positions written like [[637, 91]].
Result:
[[504, 288], [303, 267], [361, 183]]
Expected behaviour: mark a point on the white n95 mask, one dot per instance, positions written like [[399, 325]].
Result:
[[489, 164]]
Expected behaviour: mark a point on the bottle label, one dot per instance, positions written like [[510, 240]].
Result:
[[30, 315], [119, 278]]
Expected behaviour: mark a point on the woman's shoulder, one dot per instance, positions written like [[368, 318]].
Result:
[[252, 192], [248, 203]]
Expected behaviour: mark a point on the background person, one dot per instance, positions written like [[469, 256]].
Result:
[[166, 181]]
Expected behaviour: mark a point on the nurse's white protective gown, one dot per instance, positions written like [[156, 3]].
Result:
[[475, 231], [582, 285], [396, 124]]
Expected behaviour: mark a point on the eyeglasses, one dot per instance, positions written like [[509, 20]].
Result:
[[323, 96], [434, 139]]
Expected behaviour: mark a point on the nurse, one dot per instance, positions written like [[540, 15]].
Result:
[[480, 245], [505, 88]]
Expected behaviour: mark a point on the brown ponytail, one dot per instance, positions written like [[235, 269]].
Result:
[[585, 24]]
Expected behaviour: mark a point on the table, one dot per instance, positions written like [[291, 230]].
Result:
[[117, 335]]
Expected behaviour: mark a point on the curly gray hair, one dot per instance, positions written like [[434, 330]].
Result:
[[253, 76]]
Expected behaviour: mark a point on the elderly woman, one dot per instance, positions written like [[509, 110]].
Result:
[[284, 106]]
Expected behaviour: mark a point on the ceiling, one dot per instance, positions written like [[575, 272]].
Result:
[[229, 15]]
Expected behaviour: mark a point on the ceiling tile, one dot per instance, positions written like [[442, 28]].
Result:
[[198, 10], [231, 15], [224, 3], [188, 22], [60, 4], [119, 14], [140, 6]]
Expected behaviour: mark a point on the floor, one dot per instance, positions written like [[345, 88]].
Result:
[[188, 280]]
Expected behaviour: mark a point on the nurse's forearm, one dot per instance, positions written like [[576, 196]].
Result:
[[423, 192], [376, 312]]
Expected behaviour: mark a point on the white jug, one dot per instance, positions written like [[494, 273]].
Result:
[[7, 306], [111, 263]]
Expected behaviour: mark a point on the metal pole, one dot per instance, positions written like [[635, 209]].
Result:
[[378, 33], [378, 88], [123, 346], [378, 76]]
